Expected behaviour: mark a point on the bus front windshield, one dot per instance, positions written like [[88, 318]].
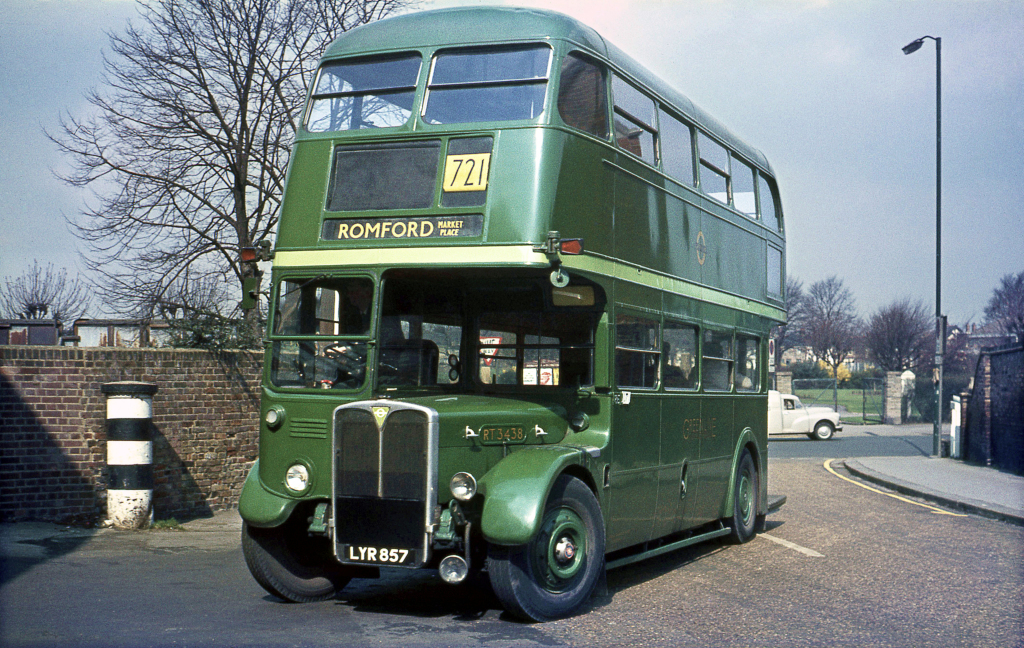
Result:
[[440, 330], [499, 334]]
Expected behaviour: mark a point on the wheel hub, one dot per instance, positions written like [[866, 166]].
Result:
[[565, 550], [559, 551]]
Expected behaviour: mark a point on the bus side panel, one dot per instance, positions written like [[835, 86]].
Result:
[[735, 257], [680, 448], [305, 194], [639, 218], [717, 440], [636, 431], [636, 440], [519, 195], [683, 225], [583, 202]]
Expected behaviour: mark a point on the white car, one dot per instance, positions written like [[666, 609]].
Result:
[[787, 415]]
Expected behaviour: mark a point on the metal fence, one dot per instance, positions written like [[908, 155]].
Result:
[[816, 391], [873, 400]]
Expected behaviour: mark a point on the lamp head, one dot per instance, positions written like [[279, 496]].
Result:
[[913, 47]]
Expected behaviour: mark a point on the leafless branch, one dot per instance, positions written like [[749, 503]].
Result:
[[186, 144]]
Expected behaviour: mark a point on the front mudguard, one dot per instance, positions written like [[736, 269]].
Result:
[[516, 490], [258, 506]]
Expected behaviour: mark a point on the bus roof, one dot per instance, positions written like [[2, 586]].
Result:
[[489, 25]]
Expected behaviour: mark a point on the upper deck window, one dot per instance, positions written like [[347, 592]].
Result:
[[635, 120], [477, 85], [676, 149], [714, 168], [766, 191], [583, 95], [368, 93], [743, 188]]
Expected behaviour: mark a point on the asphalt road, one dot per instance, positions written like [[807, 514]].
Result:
[[839, 566]]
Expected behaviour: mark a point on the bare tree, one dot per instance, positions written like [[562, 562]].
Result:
[[1006, 306], [188, 142], [788, 335], [900, 335], [44, 293], [831, 325]]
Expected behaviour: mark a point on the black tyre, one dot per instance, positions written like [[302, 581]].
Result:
[[555, 573], [823, 431], [746, 490], [292, 566]]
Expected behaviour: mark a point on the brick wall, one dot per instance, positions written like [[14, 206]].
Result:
[[994, 421], [53, 432]]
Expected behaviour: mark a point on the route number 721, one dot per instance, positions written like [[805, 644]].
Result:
[[466, 172]]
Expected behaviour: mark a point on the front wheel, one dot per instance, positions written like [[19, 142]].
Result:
[[292, 566], [823, 431], [555, 573], [746, 490]]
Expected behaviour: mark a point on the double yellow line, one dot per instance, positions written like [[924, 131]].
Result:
[[933, 509]]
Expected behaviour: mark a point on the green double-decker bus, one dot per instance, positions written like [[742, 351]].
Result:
[[520, 302]]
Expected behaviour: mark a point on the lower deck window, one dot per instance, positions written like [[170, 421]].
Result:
[[747, 370], [718, 361], [637, 352]]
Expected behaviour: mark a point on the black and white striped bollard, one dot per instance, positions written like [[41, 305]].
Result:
[[129, 453]]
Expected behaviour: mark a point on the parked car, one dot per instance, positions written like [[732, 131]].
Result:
[[787, 415]]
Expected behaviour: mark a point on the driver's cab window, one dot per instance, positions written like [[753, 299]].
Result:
[[789, 404], [331, 307], [318, 323]]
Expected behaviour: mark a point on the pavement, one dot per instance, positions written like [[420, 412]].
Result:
[[948, 482], [30, 541]]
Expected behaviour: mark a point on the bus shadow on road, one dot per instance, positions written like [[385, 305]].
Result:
[[22, 550], [623, 578], [420, 593]]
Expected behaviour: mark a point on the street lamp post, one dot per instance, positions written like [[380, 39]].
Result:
[[940, 328]]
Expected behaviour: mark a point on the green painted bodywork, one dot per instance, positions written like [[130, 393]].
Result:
[[259, 506], [640, 229], [516, 490]]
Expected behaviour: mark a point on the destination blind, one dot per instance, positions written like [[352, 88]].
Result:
[[353, 229]]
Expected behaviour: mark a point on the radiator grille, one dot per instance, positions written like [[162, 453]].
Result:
[[384, 474]]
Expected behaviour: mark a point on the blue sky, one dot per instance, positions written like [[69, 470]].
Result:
[[820, 86]]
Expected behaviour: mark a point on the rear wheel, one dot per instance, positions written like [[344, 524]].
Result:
[[555, 573], [823, 431], [290, 564], [746, 490]]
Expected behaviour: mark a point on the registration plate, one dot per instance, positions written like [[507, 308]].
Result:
[[377, 555]]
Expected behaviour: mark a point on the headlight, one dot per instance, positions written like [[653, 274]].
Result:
[[463, 486], [274, 417], [297, 478]]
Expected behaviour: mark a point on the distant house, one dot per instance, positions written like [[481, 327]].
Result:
[[988, 336], [25, 332], [85, 333], [856, 361], [121, 333]]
